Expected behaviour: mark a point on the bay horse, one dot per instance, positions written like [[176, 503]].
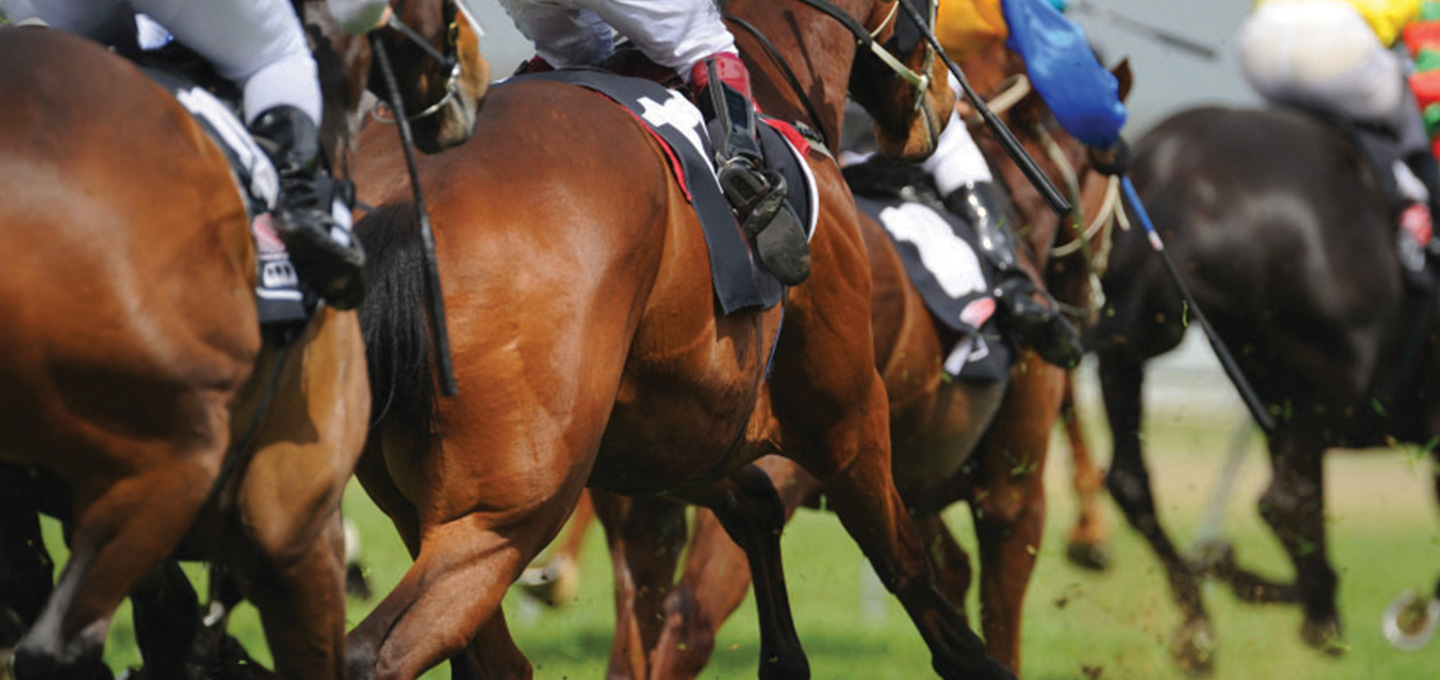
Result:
[[590, 351], [984, 442], [1287, 241], [144, 405]]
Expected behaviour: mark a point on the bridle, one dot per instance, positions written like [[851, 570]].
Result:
[[449, 59], [865, 39]]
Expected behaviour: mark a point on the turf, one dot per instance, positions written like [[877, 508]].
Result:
[[1384, 538]]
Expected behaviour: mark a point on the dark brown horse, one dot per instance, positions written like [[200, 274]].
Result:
[[982, 442], [143, 404], [589, 350], [1285, 238]]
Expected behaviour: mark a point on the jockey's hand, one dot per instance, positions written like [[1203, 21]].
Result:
[[1112, 161]]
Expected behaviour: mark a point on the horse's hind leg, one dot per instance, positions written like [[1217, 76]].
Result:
[[1087, 543], [646, 535], [1294, 507], [557, 580], [1122, 378], [121, 534]]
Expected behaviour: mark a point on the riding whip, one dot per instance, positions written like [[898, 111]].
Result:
[[1247, 393], [1002, 133], [439, 328]]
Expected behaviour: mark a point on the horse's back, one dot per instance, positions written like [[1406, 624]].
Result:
[[1281, 232], [129, 256]]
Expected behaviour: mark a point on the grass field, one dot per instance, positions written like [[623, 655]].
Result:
[[1384, 533]]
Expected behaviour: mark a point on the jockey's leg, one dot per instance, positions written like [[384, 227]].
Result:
[[260, 45], [563, 36], [963, 178]]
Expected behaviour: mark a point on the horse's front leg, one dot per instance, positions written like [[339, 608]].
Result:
[[1010, 514], [26, 572], [750, 510], [1088, 543]]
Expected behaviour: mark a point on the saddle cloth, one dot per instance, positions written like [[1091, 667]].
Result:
[[739, 280], [940, 255]]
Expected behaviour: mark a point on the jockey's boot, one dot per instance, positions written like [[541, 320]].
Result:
[[756, 193], [326, 255], [1034, 317]]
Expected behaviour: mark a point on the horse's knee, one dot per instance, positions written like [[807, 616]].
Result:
[[759, 503]]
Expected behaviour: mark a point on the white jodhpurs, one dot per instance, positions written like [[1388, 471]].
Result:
[[258, 44], [677, 34], [1322, 55]]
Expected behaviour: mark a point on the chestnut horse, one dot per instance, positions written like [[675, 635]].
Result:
[[145, 406], [589, 350], [982, 442], [1287, 241]]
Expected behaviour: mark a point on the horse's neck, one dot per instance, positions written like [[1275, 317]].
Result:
[[821, 63]]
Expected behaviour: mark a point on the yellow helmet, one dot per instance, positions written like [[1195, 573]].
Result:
[[966, 26]]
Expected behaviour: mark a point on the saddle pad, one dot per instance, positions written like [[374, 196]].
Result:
[[739, 280], [940, 258], [279, 297]]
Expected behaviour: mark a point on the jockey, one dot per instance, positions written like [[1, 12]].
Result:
[[260, 45], [1085, 100], [689, 37], [1338, 57]]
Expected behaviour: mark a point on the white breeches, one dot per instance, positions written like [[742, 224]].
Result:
[[259, 44], [1322, 55], [677, 34], [957, 161]]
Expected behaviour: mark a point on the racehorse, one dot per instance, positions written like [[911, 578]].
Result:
[[589, 350], [146, 407], [1287, 241], [984, 442]]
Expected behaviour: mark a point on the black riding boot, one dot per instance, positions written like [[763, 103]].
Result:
[[1033, 315], [756, 193], [326, 255]]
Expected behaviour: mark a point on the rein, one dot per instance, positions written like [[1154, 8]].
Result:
[[865, 38]]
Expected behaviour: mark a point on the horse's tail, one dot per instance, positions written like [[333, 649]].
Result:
[[395, 324]]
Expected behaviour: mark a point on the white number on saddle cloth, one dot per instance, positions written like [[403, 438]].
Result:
[[948, 257], [679, 113], [264, 181]]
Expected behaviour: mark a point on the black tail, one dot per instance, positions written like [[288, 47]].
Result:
[[394, 323]]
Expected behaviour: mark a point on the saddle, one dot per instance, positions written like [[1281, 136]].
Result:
[[940, 254], [671, 117]]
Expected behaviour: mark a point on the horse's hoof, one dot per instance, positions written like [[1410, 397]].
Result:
[[1410, 622], [1193, 648], [1086, 555], [1324, 635], [555, 584]]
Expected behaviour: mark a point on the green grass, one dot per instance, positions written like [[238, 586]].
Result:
[[1116, 625]]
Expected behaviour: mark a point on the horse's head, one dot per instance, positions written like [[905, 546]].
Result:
[[1072, 251], [811, 52], [900, 81], [435, 49]]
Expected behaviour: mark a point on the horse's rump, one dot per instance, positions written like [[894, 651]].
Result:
[[132, 262], [564, 206]]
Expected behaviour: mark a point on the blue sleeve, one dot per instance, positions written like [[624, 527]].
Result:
[[1084, 96]]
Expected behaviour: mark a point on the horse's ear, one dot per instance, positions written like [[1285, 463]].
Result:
[[1127, 79]]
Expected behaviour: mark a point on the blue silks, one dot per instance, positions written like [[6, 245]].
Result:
[[1084, 96]]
